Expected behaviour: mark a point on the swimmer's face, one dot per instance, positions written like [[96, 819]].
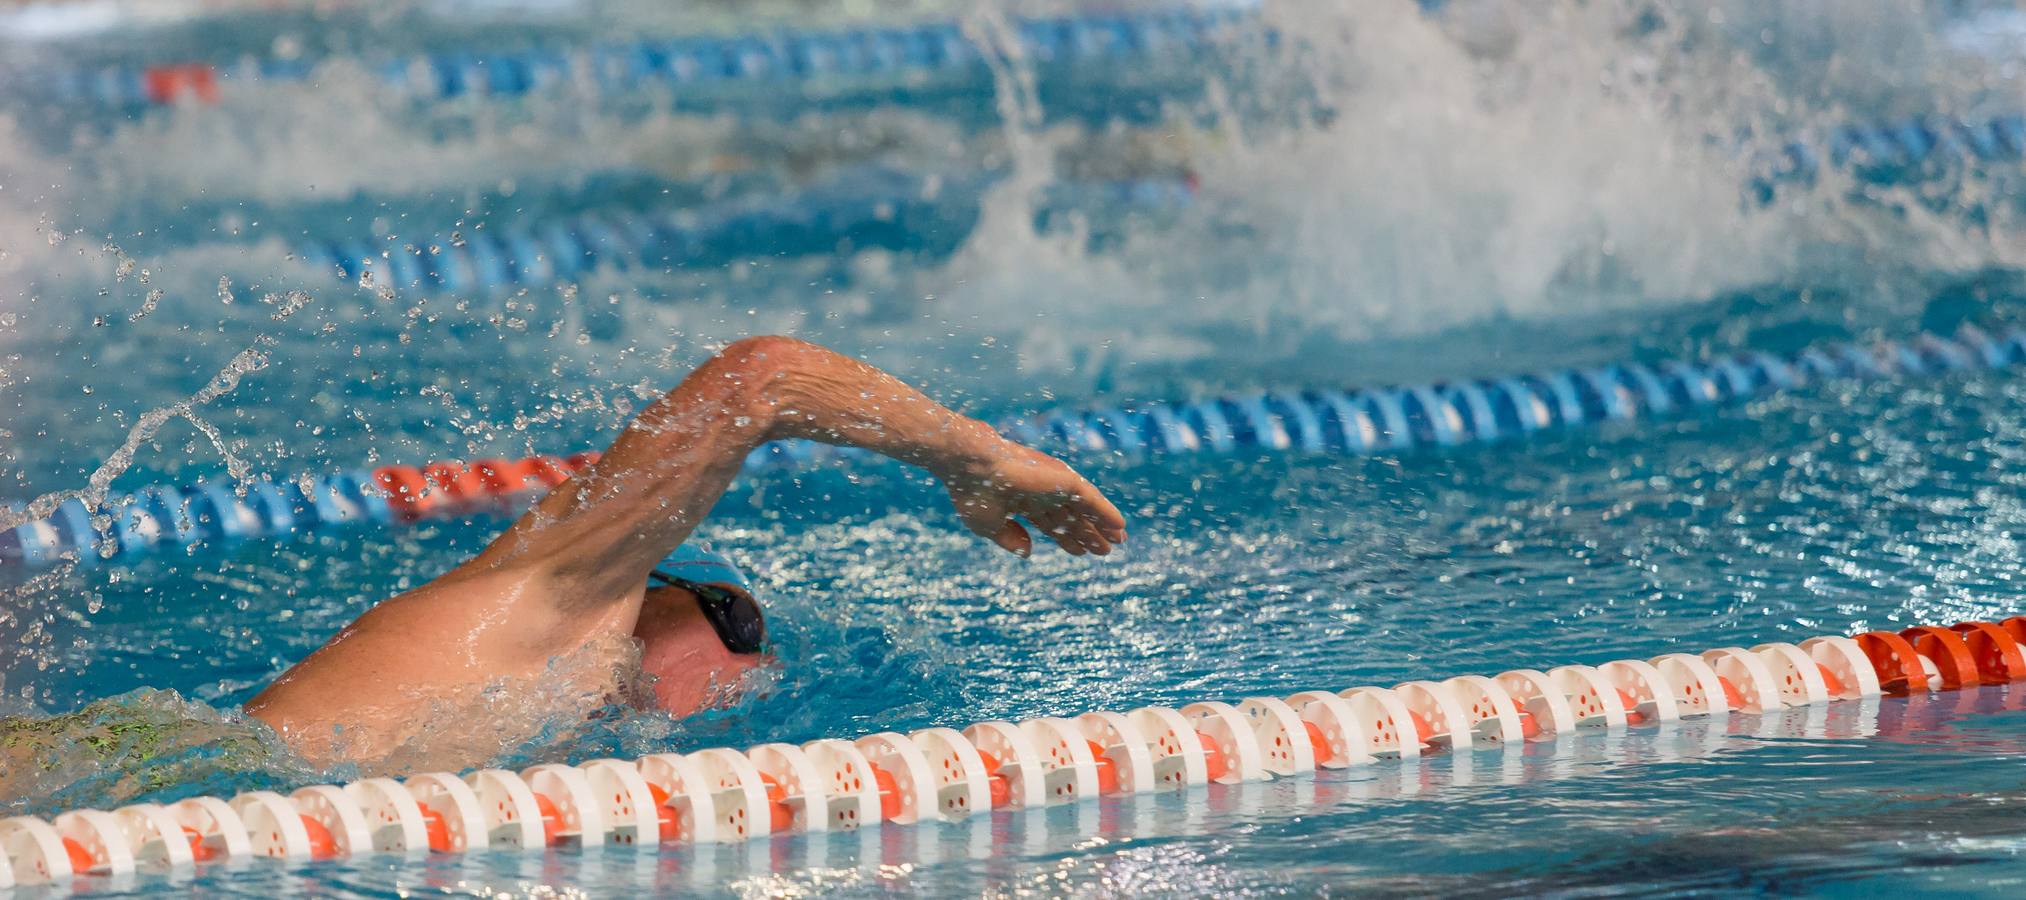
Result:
[[683, 652]]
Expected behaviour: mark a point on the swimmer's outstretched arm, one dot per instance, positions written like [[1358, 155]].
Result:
[[568, 577]]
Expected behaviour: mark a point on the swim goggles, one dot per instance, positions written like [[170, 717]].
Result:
[[721, 592]]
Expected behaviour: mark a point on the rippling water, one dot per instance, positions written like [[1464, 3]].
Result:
[[1488, 209]]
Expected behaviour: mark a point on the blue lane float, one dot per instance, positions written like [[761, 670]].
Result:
[[1317, 421], [867, 210], [683, 63]]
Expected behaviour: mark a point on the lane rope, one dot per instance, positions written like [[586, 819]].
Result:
[[1360, 422], [866, 210], [897, 54], [945, 775], [694, 63]]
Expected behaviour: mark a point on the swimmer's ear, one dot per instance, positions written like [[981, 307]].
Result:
[[1015, 539]]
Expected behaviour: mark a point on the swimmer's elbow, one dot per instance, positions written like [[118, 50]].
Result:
[[752, 373], [757, 363]]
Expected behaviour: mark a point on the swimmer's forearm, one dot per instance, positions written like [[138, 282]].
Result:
[[825, 396], [602, 532]]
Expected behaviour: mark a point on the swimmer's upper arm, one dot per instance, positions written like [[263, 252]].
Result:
[[596, 537]]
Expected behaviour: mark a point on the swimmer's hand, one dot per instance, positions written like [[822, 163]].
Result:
[[1007, 482]]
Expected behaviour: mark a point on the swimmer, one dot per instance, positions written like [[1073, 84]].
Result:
[[600, 566]]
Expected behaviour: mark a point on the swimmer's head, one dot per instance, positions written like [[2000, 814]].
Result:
[[700, 628]]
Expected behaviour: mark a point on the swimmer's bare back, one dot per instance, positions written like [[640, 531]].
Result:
[[566, 581]]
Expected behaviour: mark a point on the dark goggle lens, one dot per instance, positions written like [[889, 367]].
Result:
[[735, 617]]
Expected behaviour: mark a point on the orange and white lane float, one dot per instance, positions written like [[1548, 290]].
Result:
[[906, 779], [453, 817], [1181, 755], [155, 837], [394, 818], [1283, 738], [1539, 699], [99, 835], [1843, 666], [1699, 690], [965, 783], [214, 830], [1227, 729], [1013, 757], [1647, 694], [801, 783], [626, 803], [512, 815], [846, 791], [568, 804], [1799, 680], [1749, 686], [1393, 729], [719, 795], [1338, 741], [1438, 709], [1069, 771]]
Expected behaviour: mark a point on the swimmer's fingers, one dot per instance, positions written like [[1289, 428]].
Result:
[[1100, 513], [1060, 527], [1085, 537], [993, 522], [1074, 533], [1015, 539]]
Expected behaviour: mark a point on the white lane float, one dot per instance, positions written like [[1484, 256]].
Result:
[[1841, 657], [99, 834], [1331, 715], [1544, 703], [1434, 704], [1699, 690], [37, 854], [1745, 672], [1796, 676], [1069, 770], [963, 785], [275, 827], [1181, 754], [1389, 724], [1285, 739], [850, 791], [513, 817], [1121, 744], [939, 774], [1595, 702], [1645, 691], [1227, 729], [803, 784], [631, 814], [394, 819], [1011, 755], [449, 800], [155, 837], [1491, 714]]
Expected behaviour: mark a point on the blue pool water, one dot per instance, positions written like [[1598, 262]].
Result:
[[1404, 194]]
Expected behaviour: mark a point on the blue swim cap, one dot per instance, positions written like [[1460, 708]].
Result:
[[696, 563]]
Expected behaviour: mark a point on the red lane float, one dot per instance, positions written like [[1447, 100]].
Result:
[[1895, 660], [451, 487], [941, 774], [1999, 659], [1951, 655]]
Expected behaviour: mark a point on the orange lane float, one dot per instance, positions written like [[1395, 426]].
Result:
[[720, 795]]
